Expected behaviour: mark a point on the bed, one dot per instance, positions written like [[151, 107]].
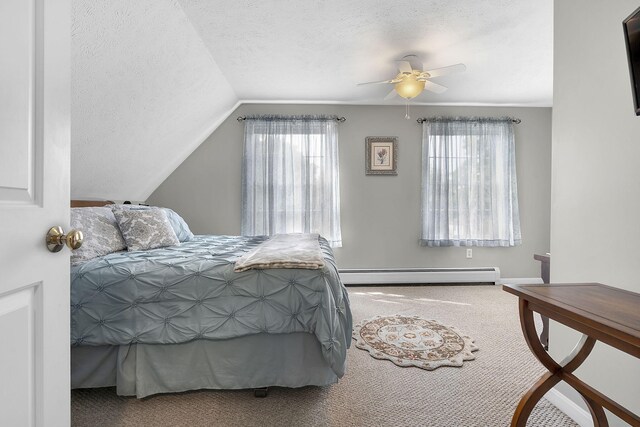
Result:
[[180, 318]]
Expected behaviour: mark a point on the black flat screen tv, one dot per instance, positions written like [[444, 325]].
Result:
[[631, 27]]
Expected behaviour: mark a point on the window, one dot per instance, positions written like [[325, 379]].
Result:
[[290, 178], [469, 185]]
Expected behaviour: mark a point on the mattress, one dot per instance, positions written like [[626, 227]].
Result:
[[190, 292]]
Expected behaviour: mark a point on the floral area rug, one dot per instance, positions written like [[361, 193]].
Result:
[[413, 341]]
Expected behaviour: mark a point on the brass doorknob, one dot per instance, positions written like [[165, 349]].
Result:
[[56, 239]]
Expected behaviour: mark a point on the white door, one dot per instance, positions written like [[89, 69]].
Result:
[[34, 195]]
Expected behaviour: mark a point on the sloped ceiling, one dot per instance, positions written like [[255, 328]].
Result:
[[152, 79], [145, 92]]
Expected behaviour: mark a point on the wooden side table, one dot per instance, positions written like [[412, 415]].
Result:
[[601, 313]]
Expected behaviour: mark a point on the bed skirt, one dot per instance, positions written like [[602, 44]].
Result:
[[253, 361]]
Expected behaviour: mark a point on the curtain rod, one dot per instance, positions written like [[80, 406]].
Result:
[[424, 119], [337, 119]]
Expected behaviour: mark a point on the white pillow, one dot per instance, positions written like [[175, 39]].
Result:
[[101, 233], [145, 229]]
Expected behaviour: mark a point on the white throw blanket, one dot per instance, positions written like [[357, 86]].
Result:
[[284, 251]]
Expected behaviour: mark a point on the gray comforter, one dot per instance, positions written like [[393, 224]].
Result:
[[190, 291]]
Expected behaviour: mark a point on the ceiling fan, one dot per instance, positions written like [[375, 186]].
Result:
[[411, 80]]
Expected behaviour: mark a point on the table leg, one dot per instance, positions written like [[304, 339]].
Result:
[[556, 370], [596, 411], [544, 335], [545, 264], [531, 398]]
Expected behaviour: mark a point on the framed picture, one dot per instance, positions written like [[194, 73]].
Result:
[[381, 154]]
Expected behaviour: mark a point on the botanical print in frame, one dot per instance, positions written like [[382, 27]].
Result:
[[381, 154]]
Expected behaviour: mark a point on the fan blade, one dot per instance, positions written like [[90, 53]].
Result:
[[404, 67], [391, 95], [434, 87], [414, 61], [457, 68], [377, 83]]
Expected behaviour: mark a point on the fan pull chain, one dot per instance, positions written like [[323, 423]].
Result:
[[406, 115]]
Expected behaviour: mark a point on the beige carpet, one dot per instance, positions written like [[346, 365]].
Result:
[[484, 392]]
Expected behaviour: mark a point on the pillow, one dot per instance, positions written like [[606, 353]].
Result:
[[101, 233], [145, 229], [129, 207], [178, 224]]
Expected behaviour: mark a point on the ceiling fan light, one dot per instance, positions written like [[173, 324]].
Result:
[[409, 87]]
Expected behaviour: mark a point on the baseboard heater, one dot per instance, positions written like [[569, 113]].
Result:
[[356, 276]]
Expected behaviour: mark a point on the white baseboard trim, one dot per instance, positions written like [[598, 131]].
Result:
[[520, 281], [419, 275], [569, 407]]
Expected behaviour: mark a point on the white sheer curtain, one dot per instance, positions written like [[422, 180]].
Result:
[[290, 176], [469, 185]]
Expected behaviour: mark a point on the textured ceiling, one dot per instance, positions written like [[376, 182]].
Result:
[[320, 50], [152, 78]]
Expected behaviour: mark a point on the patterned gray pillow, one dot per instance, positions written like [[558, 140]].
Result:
[[145, 229], [101, 233], [178, 223]]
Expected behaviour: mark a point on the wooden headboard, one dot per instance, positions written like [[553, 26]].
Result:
[[89, 203]]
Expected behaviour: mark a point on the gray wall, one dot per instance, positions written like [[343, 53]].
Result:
[[380, 214], [596, 193]]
